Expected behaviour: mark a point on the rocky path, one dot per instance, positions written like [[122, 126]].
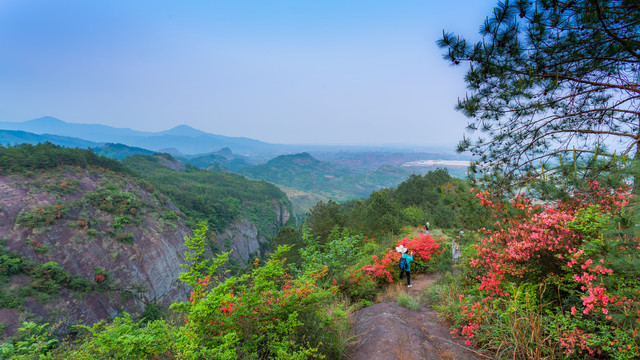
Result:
[[386, 331]]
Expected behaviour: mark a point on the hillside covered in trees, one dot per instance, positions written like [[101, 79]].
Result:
[[83, 237]]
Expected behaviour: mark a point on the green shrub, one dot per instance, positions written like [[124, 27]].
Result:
[[114, 201], [356, 284], [10, 300], [34, 342], [120, 236], [407, 301], [63, 187], [414, 215], [266, 313], [123, 339], [10, 265], [120, 221], [151, 312], [42, 216]]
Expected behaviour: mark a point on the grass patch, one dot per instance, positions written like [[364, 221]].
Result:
[[407, 301]]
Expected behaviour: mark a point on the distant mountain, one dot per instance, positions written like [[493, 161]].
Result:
[[13, 137], [114, 151], [183, 130], [219, 160], [91, 132], [300, 171], [185, 139], [120, 151]]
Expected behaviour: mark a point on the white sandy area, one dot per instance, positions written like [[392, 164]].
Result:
[[437, 162]]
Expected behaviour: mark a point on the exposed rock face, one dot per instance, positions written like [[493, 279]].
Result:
[[146, 265], [140, 257], [245, 240], [245, 237], [282, 214]]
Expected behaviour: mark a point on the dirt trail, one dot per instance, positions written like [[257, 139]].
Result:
[[386, 331]]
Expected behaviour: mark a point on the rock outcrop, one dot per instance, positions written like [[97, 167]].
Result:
[[244, 237], [139, 258]]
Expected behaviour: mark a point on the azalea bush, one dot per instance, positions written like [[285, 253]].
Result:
[[385, 268], [42, 216], [568, 267], [267, 313], [115, 201], [355, 284]]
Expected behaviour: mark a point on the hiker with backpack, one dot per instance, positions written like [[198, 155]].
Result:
[[455, 247], [405, 263]]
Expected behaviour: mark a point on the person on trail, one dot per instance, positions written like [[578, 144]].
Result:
[[455, 248], [408, 258], [426, 226]]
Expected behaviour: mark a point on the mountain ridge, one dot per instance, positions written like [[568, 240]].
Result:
[[184, 138], [191, 141]]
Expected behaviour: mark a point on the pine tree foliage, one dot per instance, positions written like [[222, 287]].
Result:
[[551, 80]]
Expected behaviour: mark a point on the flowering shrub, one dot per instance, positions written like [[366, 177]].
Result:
[[384, 269], [566, 245], [114, 201], [42, 216], [355, 284], [267, 313]]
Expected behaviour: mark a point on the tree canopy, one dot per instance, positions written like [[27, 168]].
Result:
[[551, 80]]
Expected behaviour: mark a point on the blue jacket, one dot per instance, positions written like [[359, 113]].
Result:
[[409, 259]]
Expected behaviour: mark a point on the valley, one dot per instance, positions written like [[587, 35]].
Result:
[[306, 172]]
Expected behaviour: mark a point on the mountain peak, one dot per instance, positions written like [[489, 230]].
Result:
[[224, 151], [184, 130], [302, 155], [46, 120]]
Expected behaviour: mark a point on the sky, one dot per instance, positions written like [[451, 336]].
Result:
[[292, 72]]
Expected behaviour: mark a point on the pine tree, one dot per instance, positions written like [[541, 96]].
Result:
[[551, 81]]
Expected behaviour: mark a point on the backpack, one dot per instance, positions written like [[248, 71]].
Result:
[[403, 264]]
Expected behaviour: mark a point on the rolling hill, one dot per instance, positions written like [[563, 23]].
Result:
[[305, 177]]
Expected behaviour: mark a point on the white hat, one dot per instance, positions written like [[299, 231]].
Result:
[[401, 249]]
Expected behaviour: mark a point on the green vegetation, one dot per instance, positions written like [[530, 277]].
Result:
[[215, 197], [219, 161], [25, 158], [120, 151], [47, 278], [444, 201], [407, 301], [512, 297], [43, 216], [551, 81], [280, 308], [320, 179], [115, 201], [558, 280]]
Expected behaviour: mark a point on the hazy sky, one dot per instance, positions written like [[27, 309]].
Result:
[[299, 71]]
